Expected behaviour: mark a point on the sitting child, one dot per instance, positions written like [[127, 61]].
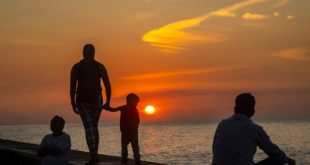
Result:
[[55, 147], [129, 123]]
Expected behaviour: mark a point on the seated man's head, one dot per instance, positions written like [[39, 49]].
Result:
[[57, 125], [89, 51], [132, 99], [244, 104]]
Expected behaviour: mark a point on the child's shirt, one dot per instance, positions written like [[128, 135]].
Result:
[[62, 142], [130, 119]]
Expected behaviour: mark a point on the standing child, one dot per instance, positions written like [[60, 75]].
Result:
[[129, 123]]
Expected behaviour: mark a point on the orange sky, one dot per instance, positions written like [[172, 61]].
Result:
[[187, 58]]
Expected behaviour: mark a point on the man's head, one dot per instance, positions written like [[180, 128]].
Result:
[[57, 125], [89, 51], [132, 99], [244, 104]]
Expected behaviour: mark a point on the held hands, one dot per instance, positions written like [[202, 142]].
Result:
[[75, 109], [107, 107]]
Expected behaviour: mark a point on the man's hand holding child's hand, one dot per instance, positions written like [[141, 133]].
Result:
[[106, 107]]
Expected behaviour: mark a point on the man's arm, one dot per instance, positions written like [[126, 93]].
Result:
[[107, 85], [73, 83], [270, 148]]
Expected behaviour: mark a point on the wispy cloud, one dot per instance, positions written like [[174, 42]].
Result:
[[175, 36], [294, 53], [281, 3], [175, 73], [290, 17], [172, 36], [252, 16], [224, 13], [276, 14]]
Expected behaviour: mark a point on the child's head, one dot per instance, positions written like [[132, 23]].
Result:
[[57, 125], [132, 99]]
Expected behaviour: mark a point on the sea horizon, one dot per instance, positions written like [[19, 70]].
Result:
[[148, 121]]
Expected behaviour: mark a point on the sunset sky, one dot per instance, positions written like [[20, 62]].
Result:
[[187, 58]]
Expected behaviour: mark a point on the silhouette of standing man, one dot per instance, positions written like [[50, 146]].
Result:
[[86, 96]]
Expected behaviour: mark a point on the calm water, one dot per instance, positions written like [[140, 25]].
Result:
[[173, 142]]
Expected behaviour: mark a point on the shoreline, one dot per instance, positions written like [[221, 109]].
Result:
[[17, 153]]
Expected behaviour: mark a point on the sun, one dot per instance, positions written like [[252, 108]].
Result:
[[149, 110]]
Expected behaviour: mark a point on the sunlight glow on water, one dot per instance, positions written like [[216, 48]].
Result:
[[172, 142]]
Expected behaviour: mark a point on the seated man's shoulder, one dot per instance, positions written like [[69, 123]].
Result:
[[256, 128], [255, 125], [224, 122]]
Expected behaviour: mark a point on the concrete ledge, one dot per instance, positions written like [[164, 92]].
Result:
[[19, 153], [15, 157]]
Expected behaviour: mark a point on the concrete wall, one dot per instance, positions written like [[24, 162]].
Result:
[[13, 157]]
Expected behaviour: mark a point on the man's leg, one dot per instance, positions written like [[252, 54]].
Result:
[[125, 139], [135, 147], [91, 132], [272, 160], [96, 117]]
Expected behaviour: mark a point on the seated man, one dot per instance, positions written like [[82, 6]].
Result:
[[237, 137], [55, 147]]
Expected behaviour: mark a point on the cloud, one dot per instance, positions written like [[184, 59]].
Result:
[[176, 79], [290, 17], [224, 13], [175, 36], [276, 14], [294, 54], [173, 40], [172, 36], [226, 89], [175, 73], [252, 16], [281, 3]]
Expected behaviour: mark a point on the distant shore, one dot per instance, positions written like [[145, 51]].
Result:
[[18, 153]]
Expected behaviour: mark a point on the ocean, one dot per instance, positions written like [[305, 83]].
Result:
[[187, 142]]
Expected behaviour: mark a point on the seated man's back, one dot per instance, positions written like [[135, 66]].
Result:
[[237, 137], [236, 140]]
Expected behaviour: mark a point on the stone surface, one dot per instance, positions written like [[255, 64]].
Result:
[[17, 153]]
